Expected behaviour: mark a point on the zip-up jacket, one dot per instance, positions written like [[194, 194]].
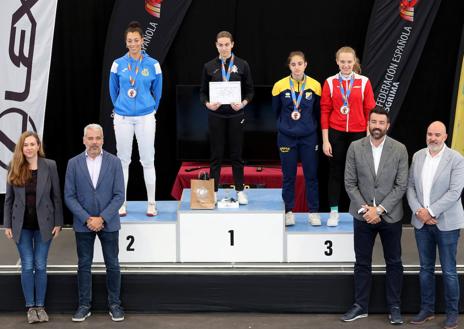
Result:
[[282, 104], [148, 85], [240, 71], [360, 102]]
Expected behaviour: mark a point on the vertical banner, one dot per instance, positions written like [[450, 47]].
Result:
[[26, 38], [456, 130], [160, 21], [458, 126], [396, 35]]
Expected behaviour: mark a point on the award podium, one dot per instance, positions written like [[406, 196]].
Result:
[[253, 233]]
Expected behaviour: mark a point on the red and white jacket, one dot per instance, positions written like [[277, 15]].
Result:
[[360, 102]]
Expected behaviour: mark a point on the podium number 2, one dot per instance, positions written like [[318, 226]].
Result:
[[329, 250], [231, 233], [131, 240]]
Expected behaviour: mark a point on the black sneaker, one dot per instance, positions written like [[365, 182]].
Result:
[[354, 313], [82, 313], [451, 321], [116, 313], [422, 317], [395, 316]]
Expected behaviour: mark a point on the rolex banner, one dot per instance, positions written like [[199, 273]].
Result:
[[160, 21], [396, 35], [26, 37]]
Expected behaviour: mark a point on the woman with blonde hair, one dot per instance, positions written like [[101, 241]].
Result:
[[33, 216], [347, 98]]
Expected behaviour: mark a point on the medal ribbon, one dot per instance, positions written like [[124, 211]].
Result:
[[297, 101], [226, 77], [129, 67], [346, 95]]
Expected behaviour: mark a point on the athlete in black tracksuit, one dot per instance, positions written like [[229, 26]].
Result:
[[225, 125]]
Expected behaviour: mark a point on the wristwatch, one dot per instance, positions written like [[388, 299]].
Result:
[[378, 211]]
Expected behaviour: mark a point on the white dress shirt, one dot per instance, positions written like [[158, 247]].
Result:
[[94, 166], [428, 173], [377, 153]]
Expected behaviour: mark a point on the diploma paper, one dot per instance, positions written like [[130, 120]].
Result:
[[225, 92]]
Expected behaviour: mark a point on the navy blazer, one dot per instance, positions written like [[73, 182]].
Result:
[[48, 204], [84, 201]]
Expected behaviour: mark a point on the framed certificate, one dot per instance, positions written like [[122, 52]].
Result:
[[225, 92]]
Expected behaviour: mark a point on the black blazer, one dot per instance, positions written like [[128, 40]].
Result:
[[48, 202]]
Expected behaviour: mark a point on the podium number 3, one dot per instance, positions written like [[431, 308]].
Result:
[[131, 240], [329, 250], [231, 233]]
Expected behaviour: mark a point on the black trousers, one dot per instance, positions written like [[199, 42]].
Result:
[[364, 238], [340, 142], [222, 132]]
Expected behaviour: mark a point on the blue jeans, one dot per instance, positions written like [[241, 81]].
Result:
[[427, 239], [364, 238], [110, 247], [33, 253]]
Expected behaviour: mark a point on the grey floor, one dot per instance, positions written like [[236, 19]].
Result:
[[215, 321]]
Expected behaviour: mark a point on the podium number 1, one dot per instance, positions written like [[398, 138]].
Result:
[[231, 233]]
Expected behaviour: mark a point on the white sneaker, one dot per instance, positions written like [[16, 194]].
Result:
[[151, 209], [333, 218], [314, 219], [122, 210], [289, 219], [242, 197]]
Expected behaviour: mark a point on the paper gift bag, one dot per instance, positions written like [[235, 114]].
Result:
[[202, 194]]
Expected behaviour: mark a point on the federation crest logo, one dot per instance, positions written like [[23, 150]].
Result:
[[287, 95], [145, 72], [234, 69], [407, 9], [153, 7], [308, 95]]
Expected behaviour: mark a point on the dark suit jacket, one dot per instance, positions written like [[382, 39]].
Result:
[[387, 187], [85, 201], [49, 207]]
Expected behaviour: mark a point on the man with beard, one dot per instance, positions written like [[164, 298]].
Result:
[[376, 177], [437, 217]]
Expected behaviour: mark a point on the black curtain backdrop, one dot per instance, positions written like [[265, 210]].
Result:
[[265, 32]]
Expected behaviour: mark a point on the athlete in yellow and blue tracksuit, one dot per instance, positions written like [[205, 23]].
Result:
[[297, 136]]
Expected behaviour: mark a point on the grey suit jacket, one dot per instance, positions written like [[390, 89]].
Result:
[[49, 207], [84, 201], [387, 187], [445, 196]]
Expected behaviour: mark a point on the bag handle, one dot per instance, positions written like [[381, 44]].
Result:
[[203, 175]]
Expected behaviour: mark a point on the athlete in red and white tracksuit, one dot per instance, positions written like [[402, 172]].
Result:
[[343, 128]]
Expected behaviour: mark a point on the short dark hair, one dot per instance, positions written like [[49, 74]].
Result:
[[380, 110], [225, 34]]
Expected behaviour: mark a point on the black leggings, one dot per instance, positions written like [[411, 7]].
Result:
[[230, 131], [340, 142]]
